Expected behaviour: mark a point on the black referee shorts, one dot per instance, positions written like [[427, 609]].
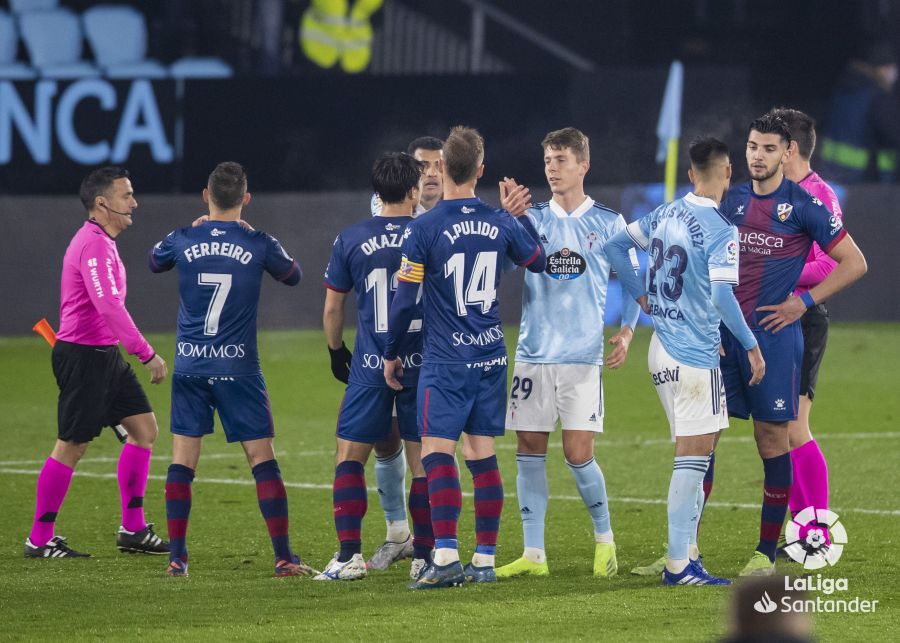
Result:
[[814, 325], [97, 388]]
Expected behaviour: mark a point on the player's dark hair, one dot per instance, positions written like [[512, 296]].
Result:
[[802, 126], [98, 182], [424, 143], [394, 175], [569, 137], [772, 124], [463, 153], [705, 150], [227, 185]]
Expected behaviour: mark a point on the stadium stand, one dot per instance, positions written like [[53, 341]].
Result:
[[10, 68], [24, 6], [118, 37], [54, 41]]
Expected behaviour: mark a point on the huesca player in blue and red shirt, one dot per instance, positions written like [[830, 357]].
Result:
[[777, 223], [365, 261], [220, 263], [457, 250]]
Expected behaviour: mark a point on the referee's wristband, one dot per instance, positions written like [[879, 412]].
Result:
[[808, 300], [150, 359]]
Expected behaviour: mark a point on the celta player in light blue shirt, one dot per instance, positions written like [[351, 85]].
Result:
[[692, 267], [559, 358]]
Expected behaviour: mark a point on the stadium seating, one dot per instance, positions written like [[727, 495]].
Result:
[[118, 38], [9, 41], [24, 6], [197, 67], [54, 42]]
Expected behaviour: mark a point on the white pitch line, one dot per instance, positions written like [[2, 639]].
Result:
[[601, 442], [328, 487]]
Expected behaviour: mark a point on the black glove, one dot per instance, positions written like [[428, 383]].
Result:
[[340, 362]]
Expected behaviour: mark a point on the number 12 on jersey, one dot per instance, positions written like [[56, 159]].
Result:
[[481, 289]]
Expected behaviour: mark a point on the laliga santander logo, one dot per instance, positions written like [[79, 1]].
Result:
[[765, 605], [807, 538]]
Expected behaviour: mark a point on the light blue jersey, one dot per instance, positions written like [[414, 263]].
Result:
[[562, 307], [690, 245]]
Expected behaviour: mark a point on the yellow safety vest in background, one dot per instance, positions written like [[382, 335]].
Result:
[[328, 33]]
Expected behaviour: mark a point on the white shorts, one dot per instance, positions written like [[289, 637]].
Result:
[[543, 393], [693, 398]]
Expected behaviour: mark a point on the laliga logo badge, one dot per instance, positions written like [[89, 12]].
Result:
[[807, 538], [375, 205], [765, 605]]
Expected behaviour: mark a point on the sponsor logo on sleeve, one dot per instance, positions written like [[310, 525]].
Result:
[[731, 253], [835, 223]]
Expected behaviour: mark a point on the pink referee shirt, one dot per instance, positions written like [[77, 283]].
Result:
[[92, 296], [818, 263]]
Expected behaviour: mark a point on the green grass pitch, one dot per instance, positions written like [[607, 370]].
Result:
[[232, 595]]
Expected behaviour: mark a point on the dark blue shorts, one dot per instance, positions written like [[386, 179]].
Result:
[[366, 413], [774, 399], [242, 403], [457, 397]]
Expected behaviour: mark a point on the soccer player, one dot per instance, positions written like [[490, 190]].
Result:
[[456, 251], [366, 258], [97, 387], [692, 266], [777, 223], [810, 471], [220, 266], [390, 466], [556, 378]]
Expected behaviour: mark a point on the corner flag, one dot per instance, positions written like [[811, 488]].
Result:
[[668, 128]]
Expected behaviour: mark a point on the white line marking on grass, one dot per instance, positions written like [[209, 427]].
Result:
[[328, 487], [601, 442]]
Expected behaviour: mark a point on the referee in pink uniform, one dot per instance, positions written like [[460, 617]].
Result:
[[97, 387]]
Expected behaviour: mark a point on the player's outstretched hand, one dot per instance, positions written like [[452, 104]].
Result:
[[783, 314], [757, 365], [644, 302], [515, 198], [393, 369], [621, 341], [158, 369], [340, 362]]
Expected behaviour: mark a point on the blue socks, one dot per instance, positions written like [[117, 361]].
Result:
[[390, 478], [592, 487], [531, 486], [685, 502]]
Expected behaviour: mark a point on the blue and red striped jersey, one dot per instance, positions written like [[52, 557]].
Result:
[[366, 259], [775, 232]]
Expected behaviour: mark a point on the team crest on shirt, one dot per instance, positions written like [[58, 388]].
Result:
[[592, 238], [784, 211]]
